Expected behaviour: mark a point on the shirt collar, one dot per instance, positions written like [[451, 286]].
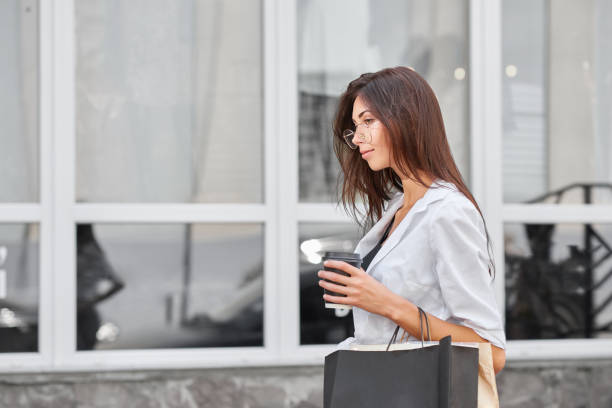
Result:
[[436, 192]]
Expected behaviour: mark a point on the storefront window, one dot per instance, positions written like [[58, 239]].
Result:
[[169, 101], [557, 99], [558, 281], [339, 40], [19, 181], [319, 325], [19, 287], [169, 286]]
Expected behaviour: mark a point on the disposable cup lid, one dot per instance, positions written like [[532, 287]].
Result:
[[342, 255]]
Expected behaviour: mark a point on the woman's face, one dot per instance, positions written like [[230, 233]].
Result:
[[378, 152]]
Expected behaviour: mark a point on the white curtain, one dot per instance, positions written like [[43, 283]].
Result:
[[169, 101], [19, 101]]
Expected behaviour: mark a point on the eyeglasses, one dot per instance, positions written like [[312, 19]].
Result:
[[364, 136]]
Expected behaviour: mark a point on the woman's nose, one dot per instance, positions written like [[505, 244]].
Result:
[[359, 135]]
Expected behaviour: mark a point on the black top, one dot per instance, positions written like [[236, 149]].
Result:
[[368, 258]]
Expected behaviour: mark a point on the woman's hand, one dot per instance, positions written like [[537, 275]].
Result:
[[367, 293], [361, 290]]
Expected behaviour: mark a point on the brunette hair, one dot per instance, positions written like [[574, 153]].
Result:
[[408, 108]]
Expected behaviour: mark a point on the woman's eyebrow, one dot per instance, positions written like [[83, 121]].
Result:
[[360, 115]]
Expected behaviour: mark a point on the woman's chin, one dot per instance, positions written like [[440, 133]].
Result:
[[374, 166]]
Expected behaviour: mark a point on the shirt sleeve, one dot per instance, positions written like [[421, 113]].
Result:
[[459, 244]]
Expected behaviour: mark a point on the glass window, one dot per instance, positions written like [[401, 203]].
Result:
[[169, 101], [557, 99], [319, 325], [335, 46], [19, 101], [169, 286], [558, 281], [19, 287]]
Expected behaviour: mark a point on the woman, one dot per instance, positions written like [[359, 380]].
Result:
[[428, 246]]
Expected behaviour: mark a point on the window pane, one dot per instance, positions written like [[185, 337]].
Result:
[[558, 281], [19, 101], [169, 286], [169, 101], [339, 40], [557, 99], [18, 288], [319, 325]]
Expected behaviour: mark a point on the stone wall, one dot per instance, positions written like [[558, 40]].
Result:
[[525, 385]]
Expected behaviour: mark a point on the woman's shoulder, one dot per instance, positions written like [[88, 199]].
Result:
[[455, 215], [454, 204]]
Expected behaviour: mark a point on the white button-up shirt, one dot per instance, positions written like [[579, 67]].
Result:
[[437, 259]]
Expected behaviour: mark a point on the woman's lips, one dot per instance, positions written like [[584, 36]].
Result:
[[366, 153]]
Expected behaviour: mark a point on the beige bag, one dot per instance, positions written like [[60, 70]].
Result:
[[487, 386]]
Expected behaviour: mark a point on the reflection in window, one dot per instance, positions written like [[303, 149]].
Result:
[[169, 101], [169, 286], [319, 325], [339, 40], [18, 288], [19, 101], [557, 98], [558, 281]]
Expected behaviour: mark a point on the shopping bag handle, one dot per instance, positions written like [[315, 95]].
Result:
[[421, 314]]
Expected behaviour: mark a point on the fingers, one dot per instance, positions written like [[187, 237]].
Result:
[[341, 265], [335, 288], [333, 276], [338, 299]]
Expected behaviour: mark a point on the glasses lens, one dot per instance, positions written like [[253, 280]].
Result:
[[348, 137]]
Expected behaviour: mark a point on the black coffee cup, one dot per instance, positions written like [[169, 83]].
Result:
[[348, 257]]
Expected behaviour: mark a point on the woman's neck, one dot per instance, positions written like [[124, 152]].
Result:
[[413, 191]]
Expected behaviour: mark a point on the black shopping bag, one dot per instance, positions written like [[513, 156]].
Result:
[[437, 376]]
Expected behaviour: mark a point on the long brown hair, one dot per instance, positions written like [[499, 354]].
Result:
[[408, 108]]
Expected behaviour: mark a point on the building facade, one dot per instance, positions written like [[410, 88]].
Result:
[[168, 187]]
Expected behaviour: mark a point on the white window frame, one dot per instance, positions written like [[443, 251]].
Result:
[[68, 214], [38, 213], [500, 213], [57, 213], [485, 28]]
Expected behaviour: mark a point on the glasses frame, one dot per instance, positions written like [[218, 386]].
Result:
[[364, 137]]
